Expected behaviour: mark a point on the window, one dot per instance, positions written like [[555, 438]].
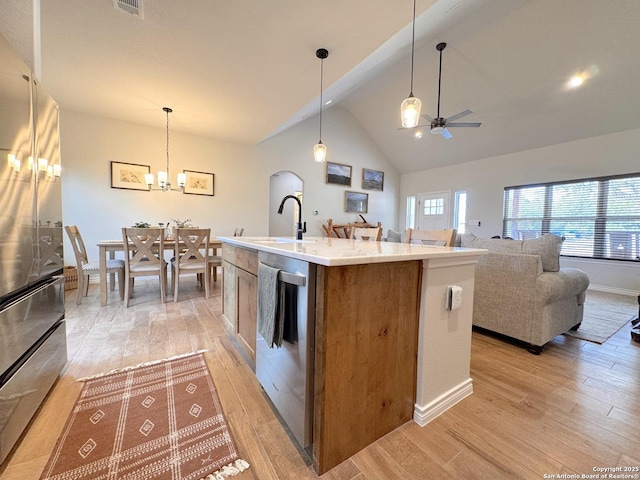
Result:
[[411, 212], [598, 217], [434, 206], [460, 211]]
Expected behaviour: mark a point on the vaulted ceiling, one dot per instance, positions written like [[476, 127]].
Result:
[[243, 70]]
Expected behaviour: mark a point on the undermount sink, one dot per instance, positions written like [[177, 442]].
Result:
[[291, 240], [285, 240]]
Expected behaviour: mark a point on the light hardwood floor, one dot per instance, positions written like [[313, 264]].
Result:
[[574, 408]]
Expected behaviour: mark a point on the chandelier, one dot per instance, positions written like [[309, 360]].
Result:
[[163, 176]]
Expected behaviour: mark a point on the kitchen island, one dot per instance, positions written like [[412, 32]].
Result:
[[382, 346]]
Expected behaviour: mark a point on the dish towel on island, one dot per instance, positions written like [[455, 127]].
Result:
[[269, 324]]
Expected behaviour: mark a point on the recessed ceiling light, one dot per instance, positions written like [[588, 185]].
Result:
[[576, 81], [418, 134], [328, 102]]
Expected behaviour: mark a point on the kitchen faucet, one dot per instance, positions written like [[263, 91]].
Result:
[[300, 228]]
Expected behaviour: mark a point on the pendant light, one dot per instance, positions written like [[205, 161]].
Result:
[[163, 176], [320, 149], [410, 108]]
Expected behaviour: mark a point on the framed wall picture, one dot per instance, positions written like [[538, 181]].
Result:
[[199, 183], [129, 176], [339, 174], [356, 202], [372, 179]]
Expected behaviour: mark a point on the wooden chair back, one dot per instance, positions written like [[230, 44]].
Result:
[[373, 234], [238, 232], [191, 255], [86, 268], [192, 247], [143, 248], [79, 249], [444, 238], [144, 256]]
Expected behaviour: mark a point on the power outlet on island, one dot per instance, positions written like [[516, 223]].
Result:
[[454, 297]]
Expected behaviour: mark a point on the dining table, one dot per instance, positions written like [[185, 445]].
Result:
[[110, 247]]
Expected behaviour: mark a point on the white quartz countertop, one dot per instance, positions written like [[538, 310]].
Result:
[[339, 251]]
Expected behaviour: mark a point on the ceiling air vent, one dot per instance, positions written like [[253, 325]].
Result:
[[133, 7]]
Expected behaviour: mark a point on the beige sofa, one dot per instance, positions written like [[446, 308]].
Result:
[[521, 291]]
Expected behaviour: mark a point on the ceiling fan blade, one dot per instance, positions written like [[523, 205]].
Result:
[[464, 124], [446, 134], [459, 115], [427, 118], [413, 128]]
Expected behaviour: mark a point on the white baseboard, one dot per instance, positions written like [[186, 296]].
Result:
[[619, 291], [423, 414]]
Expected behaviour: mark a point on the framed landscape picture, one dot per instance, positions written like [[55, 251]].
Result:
[[356, 202], [372, 179], [129, 176], [199, 183], [339, 174]]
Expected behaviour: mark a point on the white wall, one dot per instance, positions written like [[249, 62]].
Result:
[[89, 144], [484, 181], [347, 144]]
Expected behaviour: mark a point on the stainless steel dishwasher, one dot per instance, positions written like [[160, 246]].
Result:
[[286, 373]]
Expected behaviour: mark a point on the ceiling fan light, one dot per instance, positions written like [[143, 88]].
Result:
[[437, 130], [410, 111], [319, 152]]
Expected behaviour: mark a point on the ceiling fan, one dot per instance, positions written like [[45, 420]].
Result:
[[440, 125]]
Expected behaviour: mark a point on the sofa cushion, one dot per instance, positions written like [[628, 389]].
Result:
[[547, 246]]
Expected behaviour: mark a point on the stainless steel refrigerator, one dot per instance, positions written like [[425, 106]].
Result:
[[33, 347]]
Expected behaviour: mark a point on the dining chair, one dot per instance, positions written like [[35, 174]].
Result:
[[238, 232], [444, 238], [373, 234], [191, 255], [87, 268], [144, 257]]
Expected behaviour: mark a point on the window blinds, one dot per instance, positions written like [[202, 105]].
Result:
[[598, 217]]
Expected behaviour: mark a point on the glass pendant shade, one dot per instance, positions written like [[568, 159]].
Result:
[[320, 149], [319, 152], [410, 111], [162, 179], [182, 179], [148, 179]]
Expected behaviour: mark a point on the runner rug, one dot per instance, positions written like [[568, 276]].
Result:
[[156, 421], [604, 314]]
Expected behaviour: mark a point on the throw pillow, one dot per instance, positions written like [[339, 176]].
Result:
[[548, 246], [395, 237], [494, 245]]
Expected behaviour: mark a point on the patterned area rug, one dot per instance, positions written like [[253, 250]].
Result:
[[604, 314], [156, 421]]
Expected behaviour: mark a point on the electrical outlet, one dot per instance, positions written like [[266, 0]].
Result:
[[454, 297]]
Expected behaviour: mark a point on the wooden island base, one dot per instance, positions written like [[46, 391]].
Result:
[[365, 359], [385, 349]]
